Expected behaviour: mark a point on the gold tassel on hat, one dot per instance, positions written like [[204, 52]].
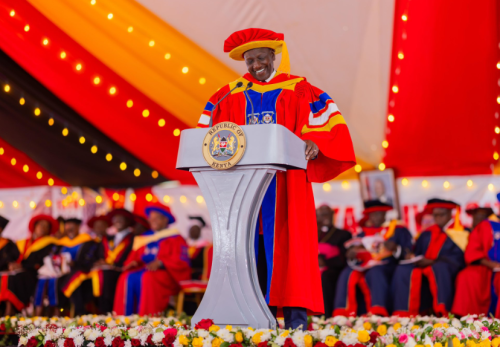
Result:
[[285, 60]]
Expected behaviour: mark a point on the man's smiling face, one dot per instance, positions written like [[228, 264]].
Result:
[[260, 63]]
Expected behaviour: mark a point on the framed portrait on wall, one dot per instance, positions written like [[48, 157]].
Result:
[[380, 185]]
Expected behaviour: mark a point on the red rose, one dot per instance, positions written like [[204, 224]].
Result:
[[289, 343], [263, 344], [32, 342], [118, 342], [373, 337], [340, 344], [135, 342], [69, 342], [50, 344], [168, 340], [149, 341], [236, 345], [320, 344], [51, 327], [170, 332], [204, 324], [99, 342], [101, 327], [2, 327], [359, 345]]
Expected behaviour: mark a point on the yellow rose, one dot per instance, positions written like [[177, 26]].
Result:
[[198, 342], [217, 342], [485, 343], [308, 340], [367, 325], [140, 321], [332, 340], [238, 337], [445, 325], [495, 342], [251, 329], [127, 320], [437, 344], [183, 340], [456, 342], [397, 326], [390, 345], [214, 328], [285, 333], [108, 320], [438, 325], [117, 321], [415, 327], [229, 327], [382, 330], [363, 336], [156, 323], [419, 345], [21, 319], [470, 343], [257, 338], [178, 324]]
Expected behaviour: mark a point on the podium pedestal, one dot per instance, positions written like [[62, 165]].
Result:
[[233, 198]]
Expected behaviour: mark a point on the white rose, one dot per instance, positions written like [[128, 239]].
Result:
[[116, 332], [66, 332], [23, 340], [340, 320], [225, 335], [128, 343], [74, 333], [203, 333], [133, 333], [108, 340], [157, 337], [60, 343], [456, 323]]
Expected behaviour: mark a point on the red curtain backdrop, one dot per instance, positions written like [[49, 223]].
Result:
[[24, 171], [445, 111], [154, 145]]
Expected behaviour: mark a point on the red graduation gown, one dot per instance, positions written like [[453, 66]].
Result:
[[156, 287], [473, 294], [310, 114]]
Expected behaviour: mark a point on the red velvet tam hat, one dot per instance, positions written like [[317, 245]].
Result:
[[94, 219], [473, 207], [54, 224], [244, 40], [440, 203], [142, 221], [375, 206]]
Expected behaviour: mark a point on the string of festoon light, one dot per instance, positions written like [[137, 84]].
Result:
[[40, 110]]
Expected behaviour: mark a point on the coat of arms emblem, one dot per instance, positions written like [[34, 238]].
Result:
[[224, 145]]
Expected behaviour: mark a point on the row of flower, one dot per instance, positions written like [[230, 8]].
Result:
[[336, 332]]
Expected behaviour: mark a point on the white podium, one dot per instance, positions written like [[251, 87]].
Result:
[[233, 198]]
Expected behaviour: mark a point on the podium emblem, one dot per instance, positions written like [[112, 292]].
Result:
[[224, 145]]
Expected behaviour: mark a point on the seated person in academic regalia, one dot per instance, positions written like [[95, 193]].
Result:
[[21, 285], [154, 269], [200, 250], [141, 225], [478, 213], [478, 285], [82, 251], [53, 275], [98, 226], [114, 251], [8, 250], [364, 286], [331, 254], [426, 281]]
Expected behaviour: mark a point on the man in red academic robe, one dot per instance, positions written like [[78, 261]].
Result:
[[155, 267], [287, 220], [478, 285]]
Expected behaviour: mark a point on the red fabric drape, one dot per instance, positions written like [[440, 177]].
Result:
[[154, 145], [444, 112], [14, 176]]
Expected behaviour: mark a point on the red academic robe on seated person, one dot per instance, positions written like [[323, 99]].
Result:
[[288, 217], [148, 292], [477, 286]]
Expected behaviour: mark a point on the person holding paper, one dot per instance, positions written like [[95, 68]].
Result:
[[373, 255], [428, 284]]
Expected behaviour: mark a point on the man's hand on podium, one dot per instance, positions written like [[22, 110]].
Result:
[[312, 150]]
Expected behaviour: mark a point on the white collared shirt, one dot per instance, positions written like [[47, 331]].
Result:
[[271, 77], [121, 235], [449, 224]]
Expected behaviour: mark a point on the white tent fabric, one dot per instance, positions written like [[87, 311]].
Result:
[[340, 46]]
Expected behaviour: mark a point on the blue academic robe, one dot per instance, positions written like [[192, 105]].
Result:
[[417, 290], [361, 292]]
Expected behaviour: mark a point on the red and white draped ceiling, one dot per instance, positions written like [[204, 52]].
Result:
[[110, 84]]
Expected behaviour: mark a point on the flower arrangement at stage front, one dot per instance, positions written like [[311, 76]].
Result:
[[336, 332]]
